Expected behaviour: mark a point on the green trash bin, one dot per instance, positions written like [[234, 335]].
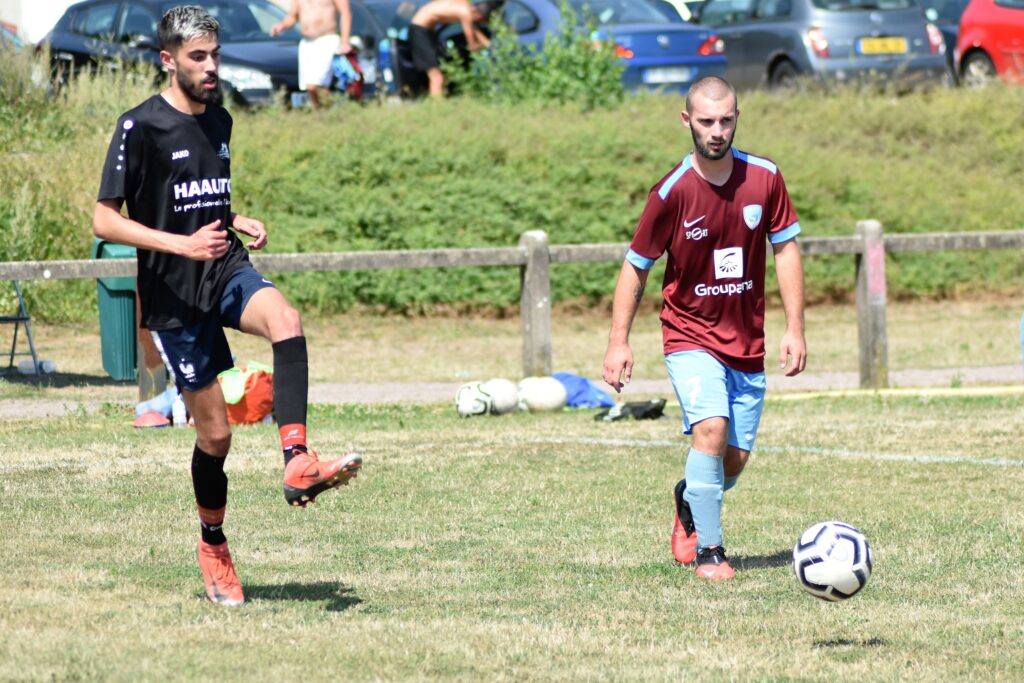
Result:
[[117, 314]]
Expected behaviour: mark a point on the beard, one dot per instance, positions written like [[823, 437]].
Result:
[[707, 153], [197, 93]]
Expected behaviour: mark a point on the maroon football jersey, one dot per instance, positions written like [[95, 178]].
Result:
[[715, 239]]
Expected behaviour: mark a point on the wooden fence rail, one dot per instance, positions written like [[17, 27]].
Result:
[[534, 256]]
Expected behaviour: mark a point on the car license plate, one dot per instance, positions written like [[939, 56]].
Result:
[[672, 74], [883, 46]]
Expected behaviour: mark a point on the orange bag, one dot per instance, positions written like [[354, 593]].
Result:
[[248, 393]]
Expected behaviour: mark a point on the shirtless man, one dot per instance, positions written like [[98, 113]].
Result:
[[318, 22], [426, 48]]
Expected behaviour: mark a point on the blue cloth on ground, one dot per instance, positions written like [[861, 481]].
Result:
[[581, 392]]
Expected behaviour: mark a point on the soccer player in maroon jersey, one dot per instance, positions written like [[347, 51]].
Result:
[[712, 214]]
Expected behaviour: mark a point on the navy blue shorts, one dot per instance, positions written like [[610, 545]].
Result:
[[196, 354]]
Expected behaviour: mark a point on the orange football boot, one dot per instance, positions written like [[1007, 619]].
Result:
[[222, 585], [711, 564], [684, 532], [306, 476]]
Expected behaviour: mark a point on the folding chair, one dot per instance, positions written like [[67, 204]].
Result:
[[20, 318]]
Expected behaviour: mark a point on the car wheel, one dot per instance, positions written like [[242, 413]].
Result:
[[783, 76], [977, 70]]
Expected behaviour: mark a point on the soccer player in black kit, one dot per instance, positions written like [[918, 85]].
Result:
[[170, 162]]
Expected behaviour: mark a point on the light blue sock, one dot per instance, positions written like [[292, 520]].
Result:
[[705, 478], [729, 483]]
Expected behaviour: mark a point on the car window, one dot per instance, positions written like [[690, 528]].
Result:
[[137, 21], [859, 5], [363, 23], [1012, 4], [96, 21], [242, 20], [945, 10], [771, 9], [724, 12], [519, 18], [619, 12]]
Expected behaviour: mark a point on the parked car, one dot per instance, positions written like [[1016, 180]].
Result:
[[772, 42], [254, 65], [991, 42]]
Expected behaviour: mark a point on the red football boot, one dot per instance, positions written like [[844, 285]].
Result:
[[222, 584], [684, 533], [306, 476]]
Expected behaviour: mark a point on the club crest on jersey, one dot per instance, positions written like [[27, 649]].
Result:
[[752, 215], [225, 154]]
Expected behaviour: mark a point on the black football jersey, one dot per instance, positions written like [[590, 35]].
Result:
[[173, 170]]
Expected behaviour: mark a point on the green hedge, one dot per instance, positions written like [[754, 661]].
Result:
[[464, 173]]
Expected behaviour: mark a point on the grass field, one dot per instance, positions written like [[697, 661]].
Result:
[[517, 548]]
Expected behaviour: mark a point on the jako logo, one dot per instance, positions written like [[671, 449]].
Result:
[[728, 263], [180, 154], [197, 188], [697, 234]]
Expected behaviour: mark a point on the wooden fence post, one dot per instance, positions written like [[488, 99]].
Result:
[[874, 351], [535, 304]]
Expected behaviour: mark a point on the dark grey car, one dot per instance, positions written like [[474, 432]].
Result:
[[772, 42]]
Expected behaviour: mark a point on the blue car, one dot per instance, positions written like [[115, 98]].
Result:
[[658, 51]]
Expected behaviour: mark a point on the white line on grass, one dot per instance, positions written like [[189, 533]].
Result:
[[812, 450]]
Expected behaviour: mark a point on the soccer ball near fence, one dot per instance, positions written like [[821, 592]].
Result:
[[832, 561]]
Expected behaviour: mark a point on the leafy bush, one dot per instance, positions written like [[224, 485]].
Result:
[[572, 66]]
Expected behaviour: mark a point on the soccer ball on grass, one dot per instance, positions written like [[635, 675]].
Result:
[[832, 561]]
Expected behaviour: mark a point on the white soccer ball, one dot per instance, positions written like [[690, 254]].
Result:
[[832, 561], [504, 396], [541, 394], [471, 399]]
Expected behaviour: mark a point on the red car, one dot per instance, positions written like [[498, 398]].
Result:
[[991, 42]]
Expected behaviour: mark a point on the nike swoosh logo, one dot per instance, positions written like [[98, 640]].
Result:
[[311, 475], [687, 223]]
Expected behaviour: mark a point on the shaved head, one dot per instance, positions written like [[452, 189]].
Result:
[[713, 88]]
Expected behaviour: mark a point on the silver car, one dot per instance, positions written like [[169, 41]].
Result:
[[773, 42]]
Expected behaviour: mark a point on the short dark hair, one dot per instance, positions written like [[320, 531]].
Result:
[[184, 23], [713, 88], [486, 7]]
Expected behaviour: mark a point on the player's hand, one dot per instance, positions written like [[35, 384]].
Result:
[[208, 243], [792, 347], [344, 47], [276, 29], [618, 365], [253, 228]]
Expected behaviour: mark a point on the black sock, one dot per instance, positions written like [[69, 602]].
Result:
[[211, 488], [291, 393]]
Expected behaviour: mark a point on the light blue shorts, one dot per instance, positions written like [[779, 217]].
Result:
[[707, 388]]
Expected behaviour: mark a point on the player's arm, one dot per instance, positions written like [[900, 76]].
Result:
[[208, 243], [618, 358], [789, 270], [289, 20], [345, 13]]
